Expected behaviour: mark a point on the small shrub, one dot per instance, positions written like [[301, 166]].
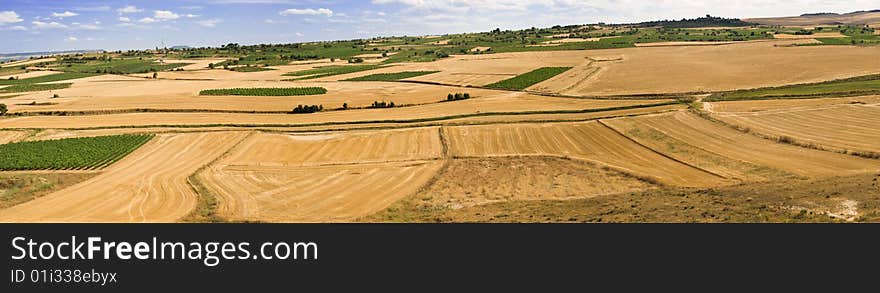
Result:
[[3, 109], [306, 109]]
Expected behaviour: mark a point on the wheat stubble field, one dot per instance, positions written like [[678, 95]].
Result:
[[718, 124]]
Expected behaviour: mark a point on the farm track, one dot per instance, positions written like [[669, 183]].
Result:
[[147, 186]]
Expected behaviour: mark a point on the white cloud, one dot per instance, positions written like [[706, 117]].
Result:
[[165, 15], [308, 11], [272, 21], [15, 28], [147, 20], [71, 39], [298, 34], [90, 27], [93, 8], [192, 15], [9, 17], [48, 25], [124, 19], [208, 22], [129, 9], [64, 14]]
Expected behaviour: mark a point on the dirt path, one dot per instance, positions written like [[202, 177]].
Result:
[[147, 186]]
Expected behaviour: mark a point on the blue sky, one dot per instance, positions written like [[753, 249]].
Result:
[[30, 25]]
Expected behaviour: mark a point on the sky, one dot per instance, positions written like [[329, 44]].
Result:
[[53, 25]]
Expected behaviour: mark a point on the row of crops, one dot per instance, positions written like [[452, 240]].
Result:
[[291, 91], [525, 80], [391, 76], [34, 87], [87, 153], [331, 71]]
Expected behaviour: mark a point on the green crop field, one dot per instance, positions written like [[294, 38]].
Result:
[[331, 71], [69, 154], [291, 91], [47, 78], [391, 76], [249, 69], [28, 87], [863, 85], [528, 79], [116, 66]]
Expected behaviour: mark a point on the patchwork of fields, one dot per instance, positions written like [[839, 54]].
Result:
[[567, 123]]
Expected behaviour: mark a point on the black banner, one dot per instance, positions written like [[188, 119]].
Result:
[[461, 257]]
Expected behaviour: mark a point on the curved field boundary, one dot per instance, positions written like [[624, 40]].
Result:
[[846, 129], [728, 142], [528, 79], [147, 186], [588, 141], [322, 178]]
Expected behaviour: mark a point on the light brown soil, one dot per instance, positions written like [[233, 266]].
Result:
[[477, 181], [322, 177], [589, 141], [841, 127]]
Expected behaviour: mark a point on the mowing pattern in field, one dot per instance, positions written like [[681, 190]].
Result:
[[391, 76], [266, 92], [69, 154], [20, 88], [47, 78], [526, 80], [724, 141], [319, 178], [589, 141], [863, 85], [150, 185], [331, 71], [850, 128]]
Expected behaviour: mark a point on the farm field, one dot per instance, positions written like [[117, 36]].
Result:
[[589, 141], [321, 177], [474, 107], [695, 120], [845, 128], [147, 186]]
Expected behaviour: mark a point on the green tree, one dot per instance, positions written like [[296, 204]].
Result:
[[3, 109]]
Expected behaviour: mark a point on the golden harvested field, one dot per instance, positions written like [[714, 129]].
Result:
[[728, 67], [783, 104], [511, 102], [589, 141], [147, 186], [12, 136], [841, 127], [479, 181], [30, 74], [322, 177], [624, 135], [683, 128]]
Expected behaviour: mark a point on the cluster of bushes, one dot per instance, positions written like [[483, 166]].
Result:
[[458, 96], [305, 109], [382, 104]]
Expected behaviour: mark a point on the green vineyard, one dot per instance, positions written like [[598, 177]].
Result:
[[88, 153], [528, 79], [266, 92]]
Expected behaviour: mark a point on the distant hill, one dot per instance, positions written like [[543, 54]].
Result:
[[708, 21], [180, 47], [853, 18], [4, 57]]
